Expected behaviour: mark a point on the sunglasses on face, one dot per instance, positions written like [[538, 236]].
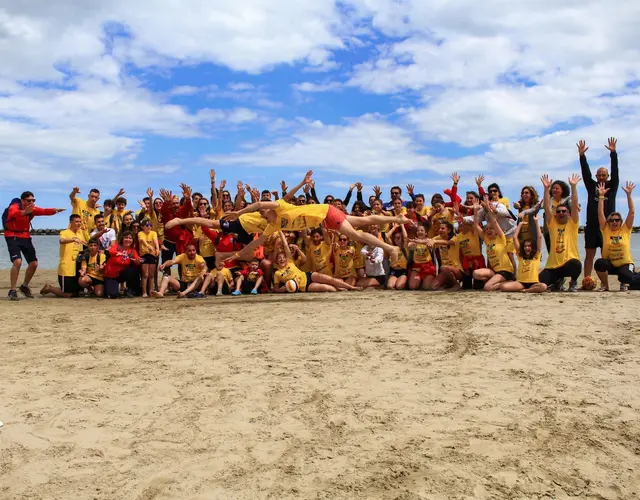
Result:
[[493, 190], [561, 212], [148, 225], [615, 220], [343, 239], [204, 204]]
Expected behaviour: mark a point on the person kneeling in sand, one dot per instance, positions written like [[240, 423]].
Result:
[[193, 271]]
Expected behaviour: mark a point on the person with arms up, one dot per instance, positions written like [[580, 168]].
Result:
[[592, 233], [106, 236], [86, 209], [616, 238], [563, 260], [71, 244], [16, 221]]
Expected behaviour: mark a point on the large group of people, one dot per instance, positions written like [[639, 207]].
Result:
[[288, 241]]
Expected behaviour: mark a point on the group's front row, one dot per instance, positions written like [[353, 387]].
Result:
[[340, 258]]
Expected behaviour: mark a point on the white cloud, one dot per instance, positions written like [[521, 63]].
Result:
[[316, 87]]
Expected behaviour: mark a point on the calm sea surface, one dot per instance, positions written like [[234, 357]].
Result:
[[47, 248]]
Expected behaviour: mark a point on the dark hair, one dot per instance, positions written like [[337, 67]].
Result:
[[437, 198], [124, 234], [377, 199], [360, 204], [146, 198], [450, 228], [266, 191], [338, 200], [474, 194], [72, 217], [255, 259], [564, 186], [534, 248], [196, 194], [396, 187], [121, 199], [94, 190], [107, 203], [316, 231], [493, 185], [420, 195], [326, 198], [534, 196], [93, 241], [98, 216], [25, 195], [190, 244], [409, 205]]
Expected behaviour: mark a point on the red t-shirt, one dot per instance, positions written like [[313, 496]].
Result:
[[119, 259]]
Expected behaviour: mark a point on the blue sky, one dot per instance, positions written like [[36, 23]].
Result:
[[134, 94]]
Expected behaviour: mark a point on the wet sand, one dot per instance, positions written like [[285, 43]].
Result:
[[350, 395]]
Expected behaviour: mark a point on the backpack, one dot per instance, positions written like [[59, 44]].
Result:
[[5, 214]]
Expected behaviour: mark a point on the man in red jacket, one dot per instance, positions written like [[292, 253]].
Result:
[[18, 236]]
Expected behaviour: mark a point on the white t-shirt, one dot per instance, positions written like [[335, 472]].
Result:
[[373, 261], [106, 239]]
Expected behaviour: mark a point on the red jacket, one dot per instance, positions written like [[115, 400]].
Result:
[[185, 211], [119, 259], [18, 225]]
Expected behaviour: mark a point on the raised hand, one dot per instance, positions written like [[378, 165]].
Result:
[[479, 180], [120, 193], [603, 190], [308, 177], [306, 188], [628, 187], [212, 176], [359, 186], [274, 193], [283, 186], [574, 179], [582, 147], [312, 184], [240, 186], [377, 191], [223, 184], [612, 143], [546, 181], [410, 189], [150, 194], [75, 191], [455, 177]]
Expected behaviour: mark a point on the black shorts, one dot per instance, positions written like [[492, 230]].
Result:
[[149, 259], [309, 281], [247, 286], [24, 246], [184, 285], [527, 285], [397, 272], [210, 262], [380, 279], [507, 275], [69, 284], [234, 226], [592, 236], [95, 281], [225, 288], [169, 252]]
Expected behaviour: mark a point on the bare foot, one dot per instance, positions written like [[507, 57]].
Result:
[[181, 295], [173, 223], [157, 295], [358, 288], [45, 289]]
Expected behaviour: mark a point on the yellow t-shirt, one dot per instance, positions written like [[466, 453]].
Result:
[[564, 243], [421, 254], [226, 273], [469, 244], [190, 268], [449, 254], [504, 201], [206, 248], [292, 218], [69, 253], [401, 263], [92, 264], [320, 258], [343, 260], [616, 245], [424, 211], [529, 269], [253, 223], [446, 215], [290, 272], [146, 245], [81, 208], [497, 254]]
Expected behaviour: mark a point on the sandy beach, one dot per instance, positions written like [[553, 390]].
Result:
[[350, 395]]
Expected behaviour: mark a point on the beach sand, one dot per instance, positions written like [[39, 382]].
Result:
[[351, 395]]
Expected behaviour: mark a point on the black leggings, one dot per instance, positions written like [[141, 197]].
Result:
[[130, 275], [624, 273], [572, 268]]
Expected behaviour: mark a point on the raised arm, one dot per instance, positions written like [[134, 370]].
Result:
[[307, 179], [239, 196], [314, 196], [615, 175], [628, 189], [516, 243], [72, 195], [347, 198], [214, 193], [602, 192], [575, 209], [476, 221], [589, 183], [285, 246], [546, 183]]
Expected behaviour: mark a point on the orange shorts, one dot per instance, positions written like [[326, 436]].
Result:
[[424, 270], [334, 219], [473, 262]]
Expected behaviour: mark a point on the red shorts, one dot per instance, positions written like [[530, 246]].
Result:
[[473, 262], [424, 270], [334, 219]]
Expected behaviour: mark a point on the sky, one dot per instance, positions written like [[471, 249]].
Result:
[[115, 93]]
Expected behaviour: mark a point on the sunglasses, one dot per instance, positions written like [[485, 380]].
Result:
[[203, 204], [343, 239], [148, 225], [493, 190], [615, 220], [560, 212]]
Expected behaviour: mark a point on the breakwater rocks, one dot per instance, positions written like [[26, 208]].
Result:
[[42, 232]]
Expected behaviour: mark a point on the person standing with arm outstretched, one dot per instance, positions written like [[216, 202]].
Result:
[[592, 233]]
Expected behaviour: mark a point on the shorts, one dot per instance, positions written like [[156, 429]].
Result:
[[225, 288], [380, 279], [592, 237], [309, 281], [169, 252], [510, 248], [424, 270], [334, 219], [235, 227], [248, 286], [24, 246], [473, 262], [396, 273], [95, 281], [184, 285], [149, 259], [210, 262], [527, 285], [69, 284], [507, 275]]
